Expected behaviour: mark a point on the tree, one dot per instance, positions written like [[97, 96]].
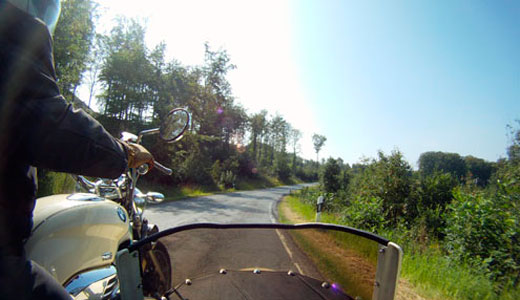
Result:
[[319, 141], [388, 178], [430, 162], [127, 74], [72, 43], [94, 65], [513, 151], [294, 138], [330, 177], [215, 99], [479, 170], [257, 126], [280, 132], [508, 170]]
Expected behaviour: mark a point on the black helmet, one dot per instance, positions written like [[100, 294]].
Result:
[[46, 10]]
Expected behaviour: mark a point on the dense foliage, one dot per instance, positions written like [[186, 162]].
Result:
[[465, 206], [72, 43], [136, 87]]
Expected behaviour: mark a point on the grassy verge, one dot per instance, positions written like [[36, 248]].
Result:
[[436, 277], [343, 258], [338, 263], [173, 193], [425, 273], [178, 192], [50, 183]]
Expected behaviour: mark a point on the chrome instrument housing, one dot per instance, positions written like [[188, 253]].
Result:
[[99, 284]]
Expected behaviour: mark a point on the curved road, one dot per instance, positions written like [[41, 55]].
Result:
[[239, 207], [198, 255], [206, 251]]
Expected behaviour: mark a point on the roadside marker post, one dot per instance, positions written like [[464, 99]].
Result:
[[319, 207]]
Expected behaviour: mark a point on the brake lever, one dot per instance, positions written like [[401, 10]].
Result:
[[162, 168]]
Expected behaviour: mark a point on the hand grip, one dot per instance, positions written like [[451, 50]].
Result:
[[162, 168]]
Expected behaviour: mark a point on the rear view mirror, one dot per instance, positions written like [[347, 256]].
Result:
[[154, 197], [174, 125]]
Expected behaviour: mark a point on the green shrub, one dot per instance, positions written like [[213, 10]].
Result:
[[282, 168], [330, 176], [227, 179], [51, 183], [365, 213], [484, 232], [432, 194]]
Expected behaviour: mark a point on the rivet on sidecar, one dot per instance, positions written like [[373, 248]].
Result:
[[223, 271], [325, 285], [188, 282], [291, 273], [256, 271]]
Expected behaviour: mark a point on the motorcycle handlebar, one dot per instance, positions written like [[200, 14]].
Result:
[[87, 184], [162, 168]]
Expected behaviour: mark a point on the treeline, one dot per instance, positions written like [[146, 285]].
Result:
[[466, 207], [135, 87]]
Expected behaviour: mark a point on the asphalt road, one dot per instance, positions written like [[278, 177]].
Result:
[[198, 252], [238, 207]]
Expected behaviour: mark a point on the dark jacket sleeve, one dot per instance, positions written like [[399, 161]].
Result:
[[63, 139], [49, 133]]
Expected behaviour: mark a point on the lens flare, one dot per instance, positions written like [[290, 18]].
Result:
[[241, 148]]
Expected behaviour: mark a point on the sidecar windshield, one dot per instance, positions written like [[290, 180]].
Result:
[[270, 262]]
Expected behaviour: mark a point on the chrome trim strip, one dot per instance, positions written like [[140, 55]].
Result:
[[94, 282]]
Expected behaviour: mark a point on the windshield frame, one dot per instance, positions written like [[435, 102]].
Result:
[[368, 235]]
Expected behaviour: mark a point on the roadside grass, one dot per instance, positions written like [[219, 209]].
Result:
[[261, 182], [51, 183], [439, 278], [429, 272], [339, 264], [183, 191], [344, 258], [307, 212], [177, 192], [364, 247]]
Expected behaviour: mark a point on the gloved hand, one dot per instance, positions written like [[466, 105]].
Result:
[[138, 155]]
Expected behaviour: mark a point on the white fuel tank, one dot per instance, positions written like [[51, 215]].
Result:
[[76, 232]]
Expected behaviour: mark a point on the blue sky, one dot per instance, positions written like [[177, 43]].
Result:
[[415, 75], [369, 75]]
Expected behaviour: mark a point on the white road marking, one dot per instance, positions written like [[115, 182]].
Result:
[[284, 243], [282, 238], [299, 269], [271, 212]]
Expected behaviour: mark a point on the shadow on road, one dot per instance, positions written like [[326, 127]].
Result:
[[204, 204]]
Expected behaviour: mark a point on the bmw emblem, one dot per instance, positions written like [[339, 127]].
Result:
[[121, 214]]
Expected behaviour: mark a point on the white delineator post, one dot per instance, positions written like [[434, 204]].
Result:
[[319, 207]]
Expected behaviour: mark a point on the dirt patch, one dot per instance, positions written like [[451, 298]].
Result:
[[291, 215]]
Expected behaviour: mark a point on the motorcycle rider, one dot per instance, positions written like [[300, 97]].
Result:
[[38, 128]]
